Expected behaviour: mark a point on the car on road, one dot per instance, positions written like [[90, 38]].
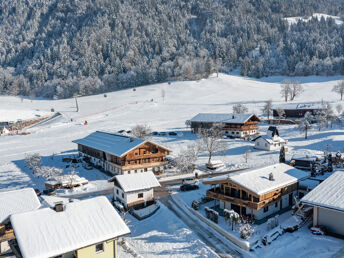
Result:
[[172, 133], [184, 188], [190, 181]]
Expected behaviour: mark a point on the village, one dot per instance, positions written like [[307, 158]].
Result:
[[245, 179]]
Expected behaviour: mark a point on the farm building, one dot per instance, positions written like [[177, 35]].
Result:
[[258, 193], [296, 111], [270, 141], [13, 202], [234, 125], [327, 200], [88, 228], [135, 190], [120, 154]]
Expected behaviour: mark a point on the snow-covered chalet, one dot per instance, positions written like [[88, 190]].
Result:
[[120, 154], [233, 125], [271, 141]]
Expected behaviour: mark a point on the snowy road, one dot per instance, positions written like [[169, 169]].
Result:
[[209, 236]]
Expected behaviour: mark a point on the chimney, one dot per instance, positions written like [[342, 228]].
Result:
[[131, 139], [59, 206], [233, 116], [271, 177]]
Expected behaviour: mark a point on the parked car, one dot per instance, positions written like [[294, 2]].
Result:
[[172, 133], [121, 131], [162, 133], [155, 133], [184, 188], [190, 181], [49, 191], [129, 131], [319, 230]]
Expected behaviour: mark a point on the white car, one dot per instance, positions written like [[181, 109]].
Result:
[[190, 181]]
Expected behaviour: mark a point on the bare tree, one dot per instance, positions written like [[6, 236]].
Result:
[[295, 89], [321, 119], [306, 123], [339, 109], [240, 109], [211, 141], [280, 113], [33, 161], [267, 108], [141, 131], [72, 177], [48, 172], [339, 88], [329, 114], [186, 158], [163, 94], [285, 89]]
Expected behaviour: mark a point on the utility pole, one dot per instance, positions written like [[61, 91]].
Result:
[[76, 102]]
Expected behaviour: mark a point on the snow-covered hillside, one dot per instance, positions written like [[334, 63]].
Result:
[[293, 20]]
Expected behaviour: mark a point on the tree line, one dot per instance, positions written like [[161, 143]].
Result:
[[60, 48]]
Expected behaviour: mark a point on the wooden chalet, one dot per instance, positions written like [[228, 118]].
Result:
[[258, 192], [234, 125], [295, 111], [120, 154]]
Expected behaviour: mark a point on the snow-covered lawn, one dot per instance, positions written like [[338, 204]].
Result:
[[164, 235], [293, 20]]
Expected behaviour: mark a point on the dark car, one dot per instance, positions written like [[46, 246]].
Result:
[[184, 188], [121, 131], [172, 133], [49, 191], [162, 133], [129, 131]]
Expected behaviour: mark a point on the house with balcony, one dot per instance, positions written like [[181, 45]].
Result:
[[258, 193], [120, 154], [233, 125], [135, 190], [87, 228]]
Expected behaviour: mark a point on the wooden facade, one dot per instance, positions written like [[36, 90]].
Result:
[[233, 129], [228, 191], [142, 158]]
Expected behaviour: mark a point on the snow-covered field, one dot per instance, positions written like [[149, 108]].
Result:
[[293, 20], [124, 109]]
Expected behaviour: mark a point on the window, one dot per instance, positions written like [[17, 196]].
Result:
[[99, 248], [128, 162], [266, 208], [117, 191], [257, 143], [276, 204], [145, 169], [144, 152], [136, 153], [140, 195], [129, 172], [122, 195], [135, 170]]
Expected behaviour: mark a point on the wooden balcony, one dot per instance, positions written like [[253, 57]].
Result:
[[237, 201], [140, 166], [8, 235]]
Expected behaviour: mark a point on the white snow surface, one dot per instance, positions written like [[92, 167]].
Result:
[[7, 115], [328, 194], [139, 181], [222, 118], [17, 201], [293, 20], [257, 180], [47, 233]]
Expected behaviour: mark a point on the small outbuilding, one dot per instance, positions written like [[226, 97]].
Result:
[[271, 141], [135, 190], [327, 200]]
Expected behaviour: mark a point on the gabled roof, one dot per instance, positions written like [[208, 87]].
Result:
[[328, 194], [270, 140], [115, 144], [257, 180], [223, 118], [17, 201], [47, 233], [136, 182]]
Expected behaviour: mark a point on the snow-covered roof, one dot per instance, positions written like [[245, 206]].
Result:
[[47, 233], [51, 200], [299, 106], [275, 139], [17, 201], [135, 182], [257, 180], [221, 118], [328, 194], [115, 144]]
